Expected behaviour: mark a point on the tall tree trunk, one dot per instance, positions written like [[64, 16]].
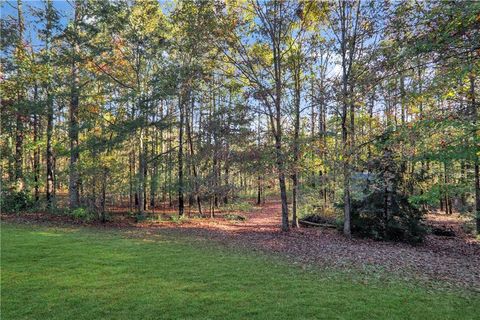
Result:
[[141, 173], [50, 183], [192, 156], [36, 151], [131, 171], [154, 169], [144, 172], [346, 168], [73, 187], [20, 117], [476, 164], [281, 176], [259, 189], [180, 158], [259, 178], [348, 46], [296, 148], [49, 153], [277, 127], [103, 197], [227, 173]]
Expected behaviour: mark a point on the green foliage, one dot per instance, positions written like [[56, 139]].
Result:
[[312, 204], [238, 206], [469, 223], [82, 214], [431, 197], [385, 212], [178, 219], [399, 222], [14, 202]]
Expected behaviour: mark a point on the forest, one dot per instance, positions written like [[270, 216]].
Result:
[[288, 126]]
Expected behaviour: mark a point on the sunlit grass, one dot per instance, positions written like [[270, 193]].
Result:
[[91, 274]]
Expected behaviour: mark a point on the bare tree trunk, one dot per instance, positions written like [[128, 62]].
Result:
[[50, 183], [141, 173], [36, 152], [20, 118], [277, 57], [73, 187], [259, 190], [346, 156], [192, 156], [296, 148], [154, 170], [476, 158], [103, 199], [281, 179], [259, 178], [180, 159], [145, 172], [131, 170]]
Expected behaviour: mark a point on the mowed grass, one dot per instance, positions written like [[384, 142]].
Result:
[[61, 273]]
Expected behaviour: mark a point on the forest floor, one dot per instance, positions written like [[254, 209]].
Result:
[[440, 260]]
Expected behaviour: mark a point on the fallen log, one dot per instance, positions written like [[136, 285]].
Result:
[[313, 224]]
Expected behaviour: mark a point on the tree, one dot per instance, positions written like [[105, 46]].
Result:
[[263, 65]]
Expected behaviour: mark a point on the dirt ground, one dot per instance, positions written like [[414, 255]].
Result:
[[451, 260]]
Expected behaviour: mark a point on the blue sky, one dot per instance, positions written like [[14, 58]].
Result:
[[8, 11]]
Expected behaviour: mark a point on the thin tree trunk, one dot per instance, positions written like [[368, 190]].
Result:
[[180, 159], [36, 152], [154, 170], [277, 57], [476, 157], [19, 132], [141, 173], [192, 156], [50, 183], [130, 181], [296, 148], [104, 194]]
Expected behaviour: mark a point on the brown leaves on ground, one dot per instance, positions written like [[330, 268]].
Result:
[[453, 260]]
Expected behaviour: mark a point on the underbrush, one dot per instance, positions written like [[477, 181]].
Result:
[[82, 214], [238, 206], [469, 223], [16, 201], [401, 221]]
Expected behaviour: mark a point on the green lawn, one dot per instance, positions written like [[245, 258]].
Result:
[[65, 273]]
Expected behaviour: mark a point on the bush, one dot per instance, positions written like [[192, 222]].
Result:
[[178, 219], [14, 202], [240, 206], [140, 217], [82, 214], [469, 223], [400, 222]]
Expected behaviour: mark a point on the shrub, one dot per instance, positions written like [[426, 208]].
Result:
[[469, 223], [14, 202], [82, 214], [178, 219], [397, 221], [240, 206]]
